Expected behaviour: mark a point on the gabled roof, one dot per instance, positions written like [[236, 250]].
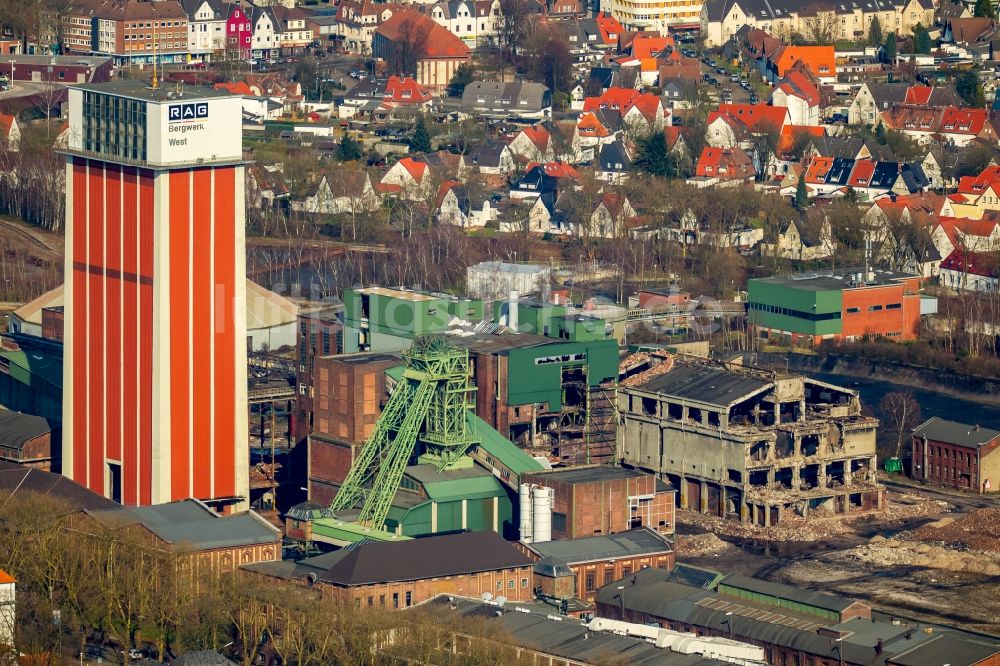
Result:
[[555, 169], [818, 170], [819, 59], [538, 135], [488, 154], [414, 168], [614, 154], [624, 100], [18, 481], [862, 173], [963, 120], [646, 46], [798, 83], [610, 28], [791, 133], [754, 117], [633, 543], [972, 29], [984, 264]]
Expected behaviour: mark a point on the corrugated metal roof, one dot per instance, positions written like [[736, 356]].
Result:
[[642, 541], [822, 600]]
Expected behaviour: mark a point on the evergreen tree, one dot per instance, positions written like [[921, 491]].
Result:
[[921, 40], [463, 76], [875, 32], [421, 141], [969, 89], [654, 158], [880, 132], [801, 193], [349, 149], [890, 48], [985, 8]]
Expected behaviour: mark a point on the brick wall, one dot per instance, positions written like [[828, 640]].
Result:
[[329, 461], [592, 575], [515, 584]]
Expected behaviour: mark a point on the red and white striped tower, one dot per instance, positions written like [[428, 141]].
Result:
[[155, 391]]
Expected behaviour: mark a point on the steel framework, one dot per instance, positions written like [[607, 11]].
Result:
[[431, 398]]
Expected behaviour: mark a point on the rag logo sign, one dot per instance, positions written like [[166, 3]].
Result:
[[176, 112]]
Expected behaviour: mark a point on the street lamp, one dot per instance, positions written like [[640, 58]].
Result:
[[840, 649], [729, 623]]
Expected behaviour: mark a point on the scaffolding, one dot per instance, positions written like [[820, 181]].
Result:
[[428, 405]]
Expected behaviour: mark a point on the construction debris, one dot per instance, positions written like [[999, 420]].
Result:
[[977, 530], [656, 363], [694, 545], [894, 552]]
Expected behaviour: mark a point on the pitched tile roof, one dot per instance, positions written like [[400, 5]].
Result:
[[755, 117], [820, 60]]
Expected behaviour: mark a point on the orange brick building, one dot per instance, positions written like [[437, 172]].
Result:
[[600, 499], [838, 305]]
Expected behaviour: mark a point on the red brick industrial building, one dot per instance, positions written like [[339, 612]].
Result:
[[956, 455], [599, 499]]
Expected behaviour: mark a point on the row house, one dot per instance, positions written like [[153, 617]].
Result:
[[868, 179], [206, 28], [357, 22], [472, 21], [130, 31], [264, 42], [239, 33], [948, 125], [294, 32], [872, 99], [640, 112], [721, 20]]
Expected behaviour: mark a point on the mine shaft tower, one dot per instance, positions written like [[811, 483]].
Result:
[[429, 406]]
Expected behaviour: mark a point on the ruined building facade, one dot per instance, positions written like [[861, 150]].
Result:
[[751, 444]]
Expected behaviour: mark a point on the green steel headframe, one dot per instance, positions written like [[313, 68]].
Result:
[[431, 398]]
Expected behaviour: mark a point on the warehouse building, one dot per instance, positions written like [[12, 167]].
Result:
[[793, 626], [573, 569], [751, 444], [29, 440], [838, 305]]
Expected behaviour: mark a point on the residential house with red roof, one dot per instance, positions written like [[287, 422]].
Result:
[[820, 60], [735, 124], [798, 91], [675, 142], [412, 35], [533, 144], [408, 179], [406, 92], [639, 111], [723, 166], [8, 604]]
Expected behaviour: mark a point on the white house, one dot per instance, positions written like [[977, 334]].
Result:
[[266, 39], [206, 27]]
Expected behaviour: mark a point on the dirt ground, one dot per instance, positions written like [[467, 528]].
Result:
[[921, 557]]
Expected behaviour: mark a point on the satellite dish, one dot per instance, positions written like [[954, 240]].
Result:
[[501, 601], [487, 596]]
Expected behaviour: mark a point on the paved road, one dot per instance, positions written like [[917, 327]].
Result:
[[24, 89]]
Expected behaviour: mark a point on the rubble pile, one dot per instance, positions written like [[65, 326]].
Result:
[[700, 544], [659, 363], [895, 552], [977, 530]]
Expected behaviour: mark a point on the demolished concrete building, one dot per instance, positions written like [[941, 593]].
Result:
[[751, 444]]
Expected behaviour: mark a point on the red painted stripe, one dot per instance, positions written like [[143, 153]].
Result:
[[79, 286], [145, 220], [130, 341], [95, 315], [202, 315], [180, 230], [225, 339], [113, 334]]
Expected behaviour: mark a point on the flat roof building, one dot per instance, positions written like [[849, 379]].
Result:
[[838, 305]]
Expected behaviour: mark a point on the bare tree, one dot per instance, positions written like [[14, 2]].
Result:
[[511, 26], [901, 412]]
